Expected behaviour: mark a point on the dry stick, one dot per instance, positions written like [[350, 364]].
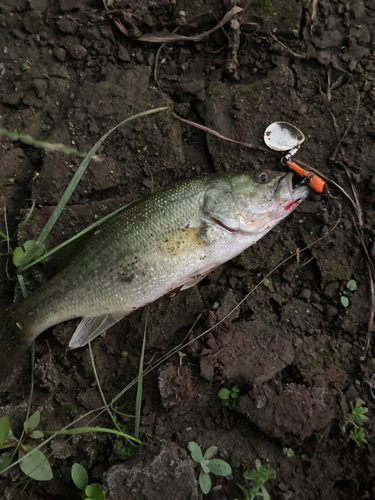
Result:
[[299, 56], [234, 43], [173, 37], [216, 134]]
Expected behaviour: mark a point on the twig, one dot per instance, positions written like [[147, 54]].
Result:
[[216, 134], [299, 56]]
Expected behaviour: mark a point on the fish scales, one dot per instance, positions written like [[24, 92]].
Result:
[[170, 239]]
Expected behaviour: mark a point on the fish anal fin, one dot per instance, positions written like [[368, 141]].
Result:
[[90, 328]]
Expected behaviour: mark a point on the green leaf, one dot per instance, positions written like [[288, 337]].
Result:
[[36, 435], [18, 255], [224, 393], [196, 452], [94, 491], [265, 493], [244, 491], [32, 422], [35, 465], [4, 429], [30, 245], [351, 285], [210, 452], [204, 465], [219, 467], [79, 476], [5, 461], [204, 482], [344, 301]]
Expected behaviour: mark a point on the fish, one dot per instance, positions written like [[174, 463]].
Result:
[[170, 239]]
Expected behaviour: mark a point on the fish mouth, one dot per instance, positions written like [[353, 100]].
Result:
[[289, 196]]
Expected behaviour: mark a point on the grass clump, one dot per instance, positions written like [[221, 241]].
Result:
[[355, 421], [259, 476]]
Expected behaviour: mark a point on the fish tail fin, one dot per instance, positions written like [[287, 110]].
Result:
[[14, 340]]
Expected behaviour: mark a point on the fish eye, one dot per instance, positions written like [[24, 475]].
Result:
[[262, 176]]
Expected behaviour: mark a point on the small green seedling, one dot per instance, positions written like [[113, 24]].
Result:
[[351, 286], [356, 419], [25, 67], [33, 462], [181, 355], [80, 479], [215, 305], [207, 465], [227, 395], [288, 452], [259, 475], [344, 301]]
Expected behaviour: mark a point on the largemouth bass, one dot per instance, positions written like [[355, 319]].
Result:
[[170, 239]]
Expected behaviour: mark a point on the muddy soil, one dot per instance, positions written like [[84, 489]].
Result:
[[68, 74]]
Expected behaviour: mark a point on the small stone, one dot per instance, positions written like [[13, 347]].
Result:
[[32, 21], [134, 32], [40, 87], [60, 54], [260, 402], [330, 311], [39, 5], [77, 51], [123, 54], [361, 34], [305, 294], [67, 26], [66, 5], [331, 290]]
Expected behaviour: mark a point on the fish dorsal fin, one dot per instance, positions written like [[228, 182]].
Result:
[[90, 328]]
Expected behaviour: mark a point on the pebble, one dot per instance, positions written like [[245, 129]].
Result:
[[305, 294], [330, 311], [39, 5], [123, 54], [67, 26], [331, 290], [32, 21], [60, 54], [66, 5], [77, 51]]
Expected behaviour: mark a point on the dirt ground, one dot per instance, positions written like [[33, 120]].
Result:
[[297, 354]]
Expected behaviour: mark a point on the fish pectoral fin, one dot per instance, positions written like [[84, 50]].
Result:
[[90, 328], [194, 280]]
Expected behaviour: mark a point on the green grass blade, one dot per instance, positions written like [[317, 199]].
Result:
[[138, 400], [101, 390], [71, 187], [81, 430], [25, 221]]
